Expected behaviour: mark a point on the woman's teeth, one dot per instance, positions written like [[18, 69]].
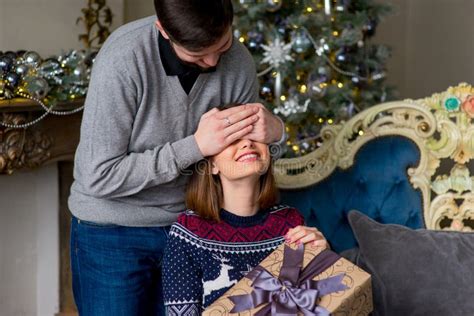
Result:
[[250, 157]]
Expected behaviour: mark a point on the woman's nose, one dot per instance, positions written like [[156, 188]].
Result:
[[246, 143]]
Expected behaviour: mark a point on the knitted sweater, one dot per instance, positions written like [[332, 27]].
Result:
[[204, 258], [138, 124]]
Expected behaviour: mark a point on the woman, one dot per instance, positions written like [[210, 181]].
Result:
[[232, 224]]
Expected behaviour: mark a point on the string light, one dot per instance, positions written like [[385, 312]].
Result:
[[303, 88], [335, 33], [309, 9], [361, 132], [330, 121], [340, 85], [283, 98], [241, 39]]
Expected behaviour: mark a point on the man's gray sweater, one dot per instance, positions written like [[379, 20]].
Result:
[[138, 125]]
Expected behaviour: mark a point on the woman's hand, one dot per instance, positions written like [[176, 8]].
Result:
[[304, 235]]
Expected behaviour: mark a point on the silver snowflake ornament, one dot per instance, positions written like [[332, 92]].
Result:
[[277, 53], [292, 106]]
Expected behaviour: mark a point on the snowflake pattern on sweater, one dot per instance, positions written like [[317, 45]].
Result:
[[204, 258]]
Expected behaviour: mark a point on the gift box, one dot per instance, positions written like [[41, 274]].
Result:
[[306, 280]]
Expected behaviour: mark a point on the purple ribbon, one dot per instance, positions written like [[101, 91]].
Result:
[[293, 290]]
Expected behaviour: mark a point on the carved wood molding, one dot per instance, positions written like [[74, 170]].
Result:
[[53, 139]]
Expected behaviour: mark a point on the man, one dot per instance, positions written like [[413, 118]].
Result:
[[150, 113]]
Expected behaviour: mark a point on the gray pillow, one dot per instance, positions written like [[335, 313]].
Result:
[[416, 272]]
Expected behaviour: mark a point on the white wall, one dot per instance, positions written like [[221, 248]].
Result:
[[45, 26], [136, 9], [29, 251], [433, 43]]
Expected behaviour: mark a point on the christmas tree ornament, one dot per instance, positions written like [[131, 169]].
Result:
[[273, 5], [369, 28], [5, 91], [72, 59], [31, 59], [315, 50], [50, 68], [12, 79], [246, 3], [80, 72], [327, 7], [21, 70], [276, 53], [11, 54], [317, 83], [378, 75], [301, 42], [6, 63], [255, 39], [266, 92], [292, 106], [37, 87]]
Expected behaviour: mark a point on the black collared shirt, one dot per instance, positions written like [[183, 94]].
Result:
[[187, 75]]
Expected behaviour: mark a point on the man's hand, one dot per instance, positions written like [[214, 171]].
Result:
[[218, 129], [268, 129]]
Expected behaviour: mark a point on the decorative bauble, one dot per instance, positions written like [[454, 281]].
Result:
[[2, 90], [273, 5], [32, 59], [246, 3], [266, 92], [50, 68], [341, 5], [341, 56], [36, 86], [21, 70], [5, 91], [12, 79], [80, 72], [317, 84], [11, 54], [72, 59], [369, 28], [378, 75], [347, 111], [6, 63], [301, 42], [255, 39]]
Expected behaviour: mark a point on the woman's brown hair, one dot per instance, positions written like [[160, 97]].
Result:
[[204, 192]]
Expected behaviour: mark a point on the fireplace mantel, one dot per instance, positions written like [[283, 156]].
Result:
[[54, 138]]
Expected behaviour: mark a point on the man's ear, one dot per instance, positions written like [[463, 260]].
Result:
[[162, 30]]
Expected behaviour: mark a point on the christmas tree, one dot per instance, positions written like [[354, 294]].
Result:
[[315, 61]]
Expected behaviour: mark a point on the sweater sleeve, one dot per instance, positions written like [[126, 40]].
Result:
[[104, 166], [182, 277]]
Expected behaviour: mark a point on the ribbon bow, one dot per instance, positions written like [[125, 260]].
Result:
[[293, 290]]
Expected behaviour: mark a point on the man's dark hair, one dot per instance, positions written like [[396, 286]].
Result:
[[195, 24]]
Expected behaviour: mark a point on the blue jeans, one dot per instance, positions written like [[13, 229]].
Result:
[[116, 270]]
